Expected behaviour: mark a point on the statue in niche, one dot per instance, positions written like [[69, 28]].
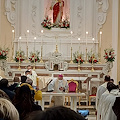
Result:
[[57, 13], [57, 7]]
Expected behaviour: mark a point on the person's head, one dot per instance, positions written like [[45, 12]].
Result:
[[29, 81], [16, 79], [111, 80], [60, 77], [55, 113], [119, 83], [3, 83], [111, 86], [4, 95], [107, 78], [27, 72], [23, 79], [29, 67], [7, 110]]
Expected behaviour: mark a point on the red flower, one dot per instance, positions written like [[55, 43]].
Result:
[[81, 60], [95, 61], [32, 56], [0, 53], [106, 53], [106, 57], [17, 58], [89, 60]]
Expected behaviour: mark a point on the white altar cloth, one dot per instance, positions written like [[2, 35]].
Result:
[[72, 95]]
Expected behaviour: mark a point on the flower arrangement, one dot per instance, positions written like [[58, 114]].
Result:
[[47, 23], [109, 55], [92, 57], [64, 24], [3, 53], [20, 55], [34, 57], [78, 57]]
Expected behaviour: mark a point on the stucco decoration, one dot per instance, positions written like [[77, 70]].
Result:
[[102, 7], [10, 11]]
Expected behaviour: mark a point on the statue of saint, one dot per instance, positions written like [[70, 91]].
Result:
[[57, 7]]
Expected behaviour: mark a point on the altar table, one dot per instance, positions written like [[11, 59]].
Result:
[[72, 95]]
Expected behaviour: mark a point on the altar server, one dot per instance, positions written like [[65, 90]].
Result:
[[101, 89], [58, 85], [105, 111], [31, 74]]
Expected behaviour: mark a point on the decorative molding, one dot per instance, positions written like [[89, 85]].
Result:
[[10, 11], [102, 7], [79, 15], [115, 37], [34, 17]]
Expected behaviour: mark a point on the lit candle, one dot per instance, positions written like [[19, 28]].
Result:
[[71, 37], [34, 43], [93, 39], [27, 36], [13, 33], [41, 38], [79, 44], [19, 43], [86, 38], [100, 39]]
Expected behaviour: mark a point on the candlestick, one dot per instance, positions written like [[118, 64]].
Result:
[[20, 43], [93, 39], [86, 38], [41, 38], [12, 46], [71, 37], [41, 60], [27, 36], [79, 44], [71, 48], [34, 43], [99, 53], [19, 68]]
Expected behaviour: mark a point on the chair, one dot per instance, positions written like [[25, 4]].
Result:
[[93, 95], [73, 87]]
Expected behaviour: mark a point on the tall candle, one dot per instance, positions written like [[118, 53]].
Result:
[[71, 37], [19, 42], [86, 38], [27, 36], [100, 39], [34, 43], [41, 38], [93, 39], [79, 44], [13, 34]]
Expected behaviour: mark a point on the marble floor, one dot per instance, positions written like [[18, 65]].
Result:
[[91, 117]]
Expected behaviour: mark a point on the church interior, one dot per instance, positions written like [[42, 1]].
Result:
[[78, 39]]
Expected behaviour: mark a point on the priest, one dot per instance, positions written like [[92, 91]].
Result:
[[58, 85], [106, 102], [101, 89]]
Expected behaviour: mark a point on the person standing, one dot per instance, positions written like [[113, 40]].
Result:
[[58, 85], [101, 89], [32, 75]]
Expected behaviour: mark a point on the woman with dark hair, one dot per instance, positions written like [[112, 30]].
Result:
[[24, 101], [55, 113], [4, 87]]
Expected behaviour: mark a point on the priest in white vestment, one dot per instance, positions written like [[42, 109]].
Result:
[[101, 89], [32, 75], [58, 85], [106, 102]]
